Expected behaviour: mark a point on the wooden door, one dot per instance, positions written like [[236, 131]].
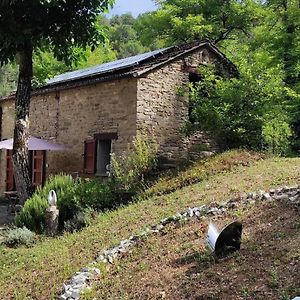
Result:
[[38, 167], [10, 181]]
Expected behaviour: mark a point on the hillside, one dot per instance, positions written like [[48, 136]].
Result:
[[175, 265]]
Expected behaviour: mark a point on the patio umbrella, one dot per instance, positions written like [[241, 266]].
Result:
[[34, 144]]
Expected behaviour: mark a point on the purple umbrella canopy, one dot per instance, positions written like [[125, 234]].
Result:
[[34, 144]]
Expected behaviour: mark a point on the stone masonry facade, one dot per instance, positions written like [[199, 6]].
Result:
[[148, 104], [72, 116], [162, 107]]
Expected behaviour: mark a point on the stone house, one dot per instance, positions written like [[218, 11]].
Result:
[[99, 110]]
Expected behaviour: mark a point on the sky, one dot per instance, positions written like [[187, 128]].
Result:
[[135, 7]]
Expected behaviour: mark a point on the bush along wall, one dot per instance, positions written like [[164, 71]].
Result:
[[76, 200]]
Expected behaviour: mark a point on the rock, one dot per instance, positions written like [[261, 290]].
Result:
[[96, 271], [164, 221], [294, 198], [190, 212], [68, 294], [213, 211], [283, 197], [272, 191], [110, 259], [260, 194], [231, 205], [267, 197], [75, 294]]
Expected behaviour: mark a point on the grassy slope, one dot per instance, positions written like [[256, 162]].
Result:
[[176, 265], [38, 272]]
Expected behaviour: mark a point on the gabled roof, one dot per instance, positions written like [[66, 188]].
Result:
[[133, 66], [105, 68]]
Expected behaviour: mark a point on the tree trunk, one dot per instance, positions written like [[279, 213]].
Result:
[[21, 132]]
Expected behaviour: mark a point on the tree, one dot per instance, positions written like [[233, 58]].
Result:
[[123, 36], [178, 21], [8, 79], [26, 25]]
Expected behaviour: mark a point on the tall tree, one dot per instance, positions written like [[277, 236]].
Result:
[[123, 36], [25, 25], [178, 21]]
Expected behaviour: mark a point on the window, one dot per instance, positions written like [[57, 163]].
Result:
[[37, 161], [103, 157], [97, 154], [194, 78]]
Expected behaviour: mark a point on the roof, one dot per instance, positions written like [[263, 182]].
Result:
[[133, 66], [104, 68]]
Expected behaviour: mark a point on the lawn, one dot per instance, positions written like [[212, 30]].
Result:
[[39, 272]]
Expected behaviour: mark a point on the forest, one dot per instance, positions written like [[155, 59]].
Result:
[[259, 109]]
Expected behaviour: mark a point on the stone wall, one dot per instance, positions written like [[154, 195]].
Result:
[[72, 116], [162, 108]]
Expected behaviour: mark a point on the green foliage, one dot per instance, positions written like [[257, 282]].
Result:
[[19, 236], [238, 110], [276, 133], [130, 169], [73, 199], [263, 39], [99, 195], [81, 219], [124, 37], [187, 20], [32, 214], [59, 25], [46, 66], [8, 79]]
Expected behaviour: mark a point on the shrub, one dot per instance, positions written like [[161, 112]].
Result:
[[72, 198], [32, 214], [130, 168], [235, 110], [82, 219], [19, 236], [58, 183], [276, 133], [96, 194]]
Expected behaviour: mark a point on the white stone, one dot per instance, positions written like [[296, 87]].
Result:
[[267, 197]]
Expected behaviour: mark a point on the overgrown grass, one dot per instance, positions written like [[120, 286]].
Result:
[[38, 272], [202, 170]]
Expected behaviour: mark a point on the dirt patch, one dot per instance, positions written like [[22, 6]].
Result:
[[177, 265]]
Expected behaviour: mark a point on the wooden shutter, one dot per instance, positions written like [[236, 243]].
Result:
[[10, 186], [89, 156], [38, 167]]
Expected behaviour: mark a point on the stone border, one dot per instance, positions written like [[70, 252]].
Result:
[[80, 280]]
